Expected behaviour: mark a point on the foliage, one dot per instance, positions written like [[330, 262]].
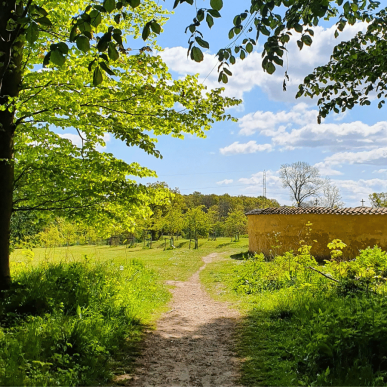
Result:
[[62, 324], [304, 328], [236, 222], [378, 199], [196, 223]]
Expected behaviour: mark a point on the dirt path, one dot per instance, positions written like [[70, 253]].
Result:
[[192, 345]]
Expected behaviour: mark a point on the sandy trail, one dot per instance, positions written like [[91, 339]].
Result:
[[193, 342]]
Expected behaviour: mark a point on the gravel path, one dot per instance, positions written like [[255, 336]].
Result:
[[192, 345]]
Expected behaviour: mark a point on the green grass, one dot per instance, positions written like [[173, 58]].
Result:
[[172, 264], [320, 334], [76, 315]]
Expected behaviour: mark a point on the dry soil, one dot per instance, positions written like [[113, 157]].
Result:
[[193, 343]]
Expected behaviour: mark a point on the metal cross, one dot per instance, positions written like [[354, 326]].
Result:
[[362, 202]]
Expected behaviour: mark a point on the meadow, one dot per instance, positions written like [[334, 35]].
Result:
[[76, 315]]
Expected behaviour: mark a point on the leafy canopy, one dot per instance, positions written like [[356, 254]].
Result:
[[137, 102]]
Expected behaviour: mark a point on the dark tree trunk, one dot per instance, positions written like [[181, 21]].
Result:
[[10, 81]]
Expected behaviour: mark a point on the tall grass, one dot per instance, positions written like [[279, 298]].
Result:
[[65, 323]]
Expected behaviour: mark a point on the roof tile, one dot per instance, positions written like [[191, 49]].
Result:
[[319, 210]]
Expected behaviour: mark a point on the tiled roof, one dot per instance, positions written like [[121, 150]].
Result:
[[319, 210]]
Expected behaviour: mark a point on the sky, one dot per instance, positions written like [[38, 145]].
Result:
[[273, 127]]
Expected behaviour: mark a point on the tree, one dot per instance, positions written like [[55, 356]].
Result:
[[91, 84], [173, 221], [378, 199], [302, 179], [236, 222], [331, 196], [196, 222]]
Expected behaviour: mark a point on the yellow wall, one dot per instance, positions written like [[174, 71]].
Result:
[[357, 231]]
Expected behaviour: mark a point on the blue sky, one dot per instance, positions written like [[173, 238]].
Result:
[[274, 128]]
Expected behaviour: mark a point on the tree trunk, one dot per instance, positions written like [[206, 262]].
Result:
[[10, 82]]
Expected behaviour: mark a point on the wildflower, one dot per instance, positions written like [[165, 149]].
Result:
[[121, 268]]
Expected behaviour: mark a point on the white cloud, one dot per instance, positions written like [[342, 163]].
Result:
[[326, 170], [380, 171], [249, 147], [269, 124], [372, 157], [298, 128], [74, 138], [225, 181], [248, 73]]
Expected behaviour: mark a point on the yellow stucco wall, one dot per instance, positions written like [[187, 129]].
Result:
[[357, 231]]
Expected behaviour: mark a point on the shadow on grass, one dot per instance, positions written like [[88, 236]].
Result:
[[242, 256]]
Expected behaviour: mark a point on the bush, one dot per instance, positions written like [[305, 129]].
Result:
[[61, 324]]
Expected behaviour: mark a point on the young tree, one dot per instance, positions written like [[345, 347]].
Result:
[[303, 180], [196, 222], [236, 222], [91, 84]]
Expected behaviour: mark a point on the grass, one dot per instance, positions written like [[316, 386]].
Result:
[[172, 264], [76, 315], [304, 332]]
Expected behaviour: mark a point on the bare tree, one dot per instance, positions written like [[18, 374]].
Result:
[[331, 196], [303, 180]]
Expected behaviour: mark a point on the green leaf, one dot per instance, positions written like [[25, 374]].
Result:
[[112, 52], [46, 59], [97, 76], [270, 68], [117, 37], [102, 45], [216, 4], [300, 44], [224, 78], [32, 33], [109, 5], [242, 55], [214, 12], [249, 47], [105, 67], [307, 40], [196, 54], [209, 20], [227, 71], [73, 33], [63, 48], [134, 3], [156, 28], [95, 18], [146, 32], [202, 42], [83, 43], [200, 15], [231, 33], [57, 58], [232, 59], [44, 21]]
